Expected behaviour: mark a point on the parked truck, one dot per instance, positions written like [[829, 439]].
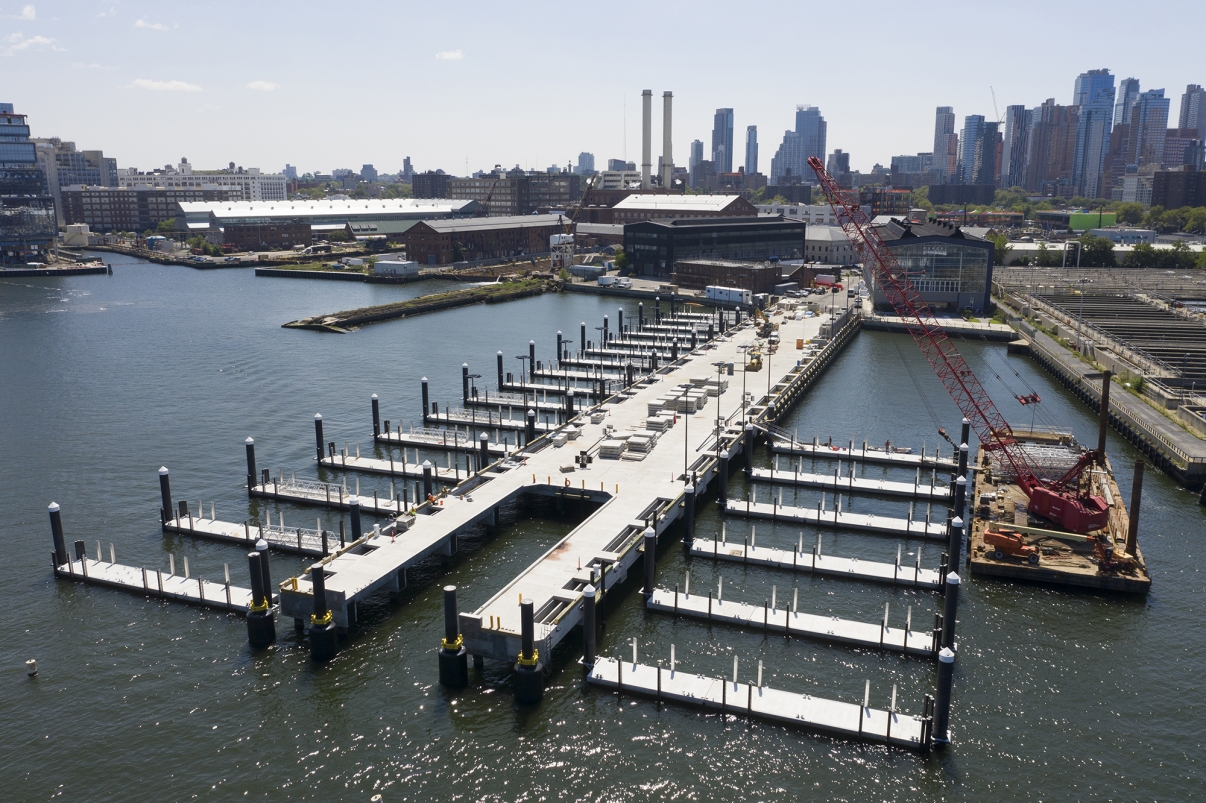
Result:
[[728, 295]]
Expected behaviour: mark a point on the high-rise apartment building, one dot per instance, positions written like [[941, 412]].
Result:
[[722, 140], [946, 143], [586, 164], [290, 172], [65, 166], [1051, 149], [408, 171], [1013, 146], [1193, 110], [812, 127], [986, 160], [1177, 143], [751, 149], [973, 131], [368, 173], [1149, 127], [790, 163], [838, 166], [27, 217], [1128, 92], [1093, 93]]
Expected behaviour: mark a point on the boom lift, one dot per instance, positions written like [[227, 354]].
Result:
[[1059, 499]]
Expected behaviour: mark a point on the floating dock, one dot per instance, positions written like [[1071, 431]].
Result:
[[153, 583], [813, 562], [769, 617], [839, 519], [865, 454], [854, 485], [848, 720]]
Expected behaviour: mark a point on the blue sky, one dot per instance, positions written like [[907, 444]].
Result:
[[329, 85]]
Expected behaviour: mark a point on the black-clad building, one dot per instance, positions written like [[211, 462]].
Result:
[[655, 245], [949, 267]]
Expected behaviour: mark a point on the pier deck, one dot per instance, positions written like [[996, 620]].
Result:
[[441, 475], [743, 699], [797, 561], [330, 495], [853, 485], [153, 583], [441, 440], [794, 623], [868, 455], [293, 540], [634, 494]]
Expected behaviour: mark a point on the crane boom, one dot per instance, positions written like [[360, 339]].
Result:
[[1056, 498]]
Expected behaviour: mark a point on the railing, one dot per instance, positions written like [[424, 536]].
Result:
[[438, 436]]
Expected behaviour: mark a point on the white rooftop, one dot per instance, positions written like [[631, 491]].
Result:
[[325, 208], [678, 203]]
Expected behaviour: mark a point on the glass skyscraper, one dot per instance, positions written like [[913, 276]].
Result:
[[1093, 92], [722, 140]]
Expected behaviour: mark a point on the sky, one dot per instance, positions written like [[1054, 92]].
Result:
[[464, 86]]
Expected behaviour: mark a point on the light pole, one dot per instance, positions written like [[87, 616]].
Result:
[[745, 364]]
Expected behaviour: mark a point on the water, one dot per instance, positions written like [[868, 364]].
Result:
[[1059, 696]]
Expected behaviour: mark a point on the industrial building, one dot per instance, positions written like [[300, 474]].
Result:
[[273, 236], [829, 245], [323, 217], [251, 183], [518, 192], [136, 209], [443, 242], [757, 277], [950, 269], [654, 246], [636, 208]]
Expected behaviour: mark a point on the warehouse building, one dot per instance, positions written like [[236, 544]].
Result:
[[654, 246], [443, 242], [949, 267], [323, 217]]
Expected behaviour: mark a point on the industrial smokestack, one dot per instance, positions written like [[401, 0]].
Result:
[[667, 155], [646, 138]]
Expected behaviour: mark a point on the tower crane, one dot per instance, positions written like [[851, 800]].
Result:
[[1059, 499]]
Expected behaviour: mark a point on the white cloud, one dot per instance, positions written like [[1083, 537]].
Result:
[[17, 42], [165, 86], [93, 66], [28, 13], [263, 86], [153, 26], [450, 55]]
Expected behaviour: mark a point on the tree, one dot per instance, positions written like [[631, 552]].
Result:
[[166, 226], [1097, 252], [1001, 249], [623, 261], [1129, 213], [1142, 255], [1049, 257], [1152, 218], [1195, 220]]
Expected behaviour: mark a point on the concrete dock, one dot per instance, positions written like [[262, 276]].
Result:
[[839, 519], [330, 495], [848, 720], [292, 540], [153, 583], [853, 485], [813, 562], [862, 454]]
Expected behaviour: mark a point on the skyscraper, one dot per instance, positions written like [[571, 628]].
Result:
[[751, 149], [1093, 92], [1013, 146], [1128, 91], [946, 142], [1193, 109], [722, 140], [791, 160], [28, 225], [586, 164], [1149, 126], [838, 166], [812, 127], [1051, 149], [973, 130], [696, 156], [986, 161]]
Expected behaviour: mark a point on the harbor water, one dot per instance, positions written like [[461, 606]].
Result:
[[1059, 696]]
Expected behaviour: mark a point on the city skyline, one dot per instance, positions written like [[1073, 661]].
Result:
[[143, 95]]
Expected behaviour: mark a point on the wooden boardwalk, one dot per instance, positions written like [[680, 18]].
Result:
[[848, 720], [770, 617], [813, 562], [838, 519]]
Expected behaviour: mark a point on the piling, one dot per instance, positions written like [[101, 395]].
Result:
[[962, 470], [960, 503], [426, 399], [165, 496], [1132, 532], [531, 356], [955, 546], [950, 607], [747, 448], [640, 316], [674, 350], [427, 489], [650, 560], [323, 639], [942, 697], [689, 515], [376, 415], [657, 309], [56, 531], [483, 451], [569, 405], [465, 384], [589, 628], [529, 672], [560, 348], [453, 658], [1103, 418], [499, 356], [620, 322], [964, 432], [354, 510], [261, 626], [582, 338], [250, 444], [722, 481], [261, 546], [531, 427]]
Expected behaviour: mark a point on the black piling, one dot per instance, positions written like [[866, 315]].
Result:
[[529, 671], [955, 546], [603, 345], [747, 449], [354, 510], [324, 641], [964, 432], [650, 560], [640, 316], [56, 531], [960, 501], [1132, 532], [483, 451], [689, 515], [250, 444], [261, 626], [950, 608], [465, 384], [426, 400], [657, 309], [453, 658], [722, 481], [376, 415], [560, 347], [261, 546], [674, 350], [165, 496], [427, 486], [589, 628], [500, 373], [531, 427], [582, 338], [942, 697], [569, 405], [318, 435], [630, 374], [620, 323], [1103, 418]]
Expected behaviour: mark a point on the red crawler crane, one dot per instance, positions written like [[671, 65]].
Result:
[[1060, 500]]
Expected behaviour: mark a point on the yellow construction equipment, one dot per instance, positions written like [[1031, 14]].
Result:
[[755, 363]]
